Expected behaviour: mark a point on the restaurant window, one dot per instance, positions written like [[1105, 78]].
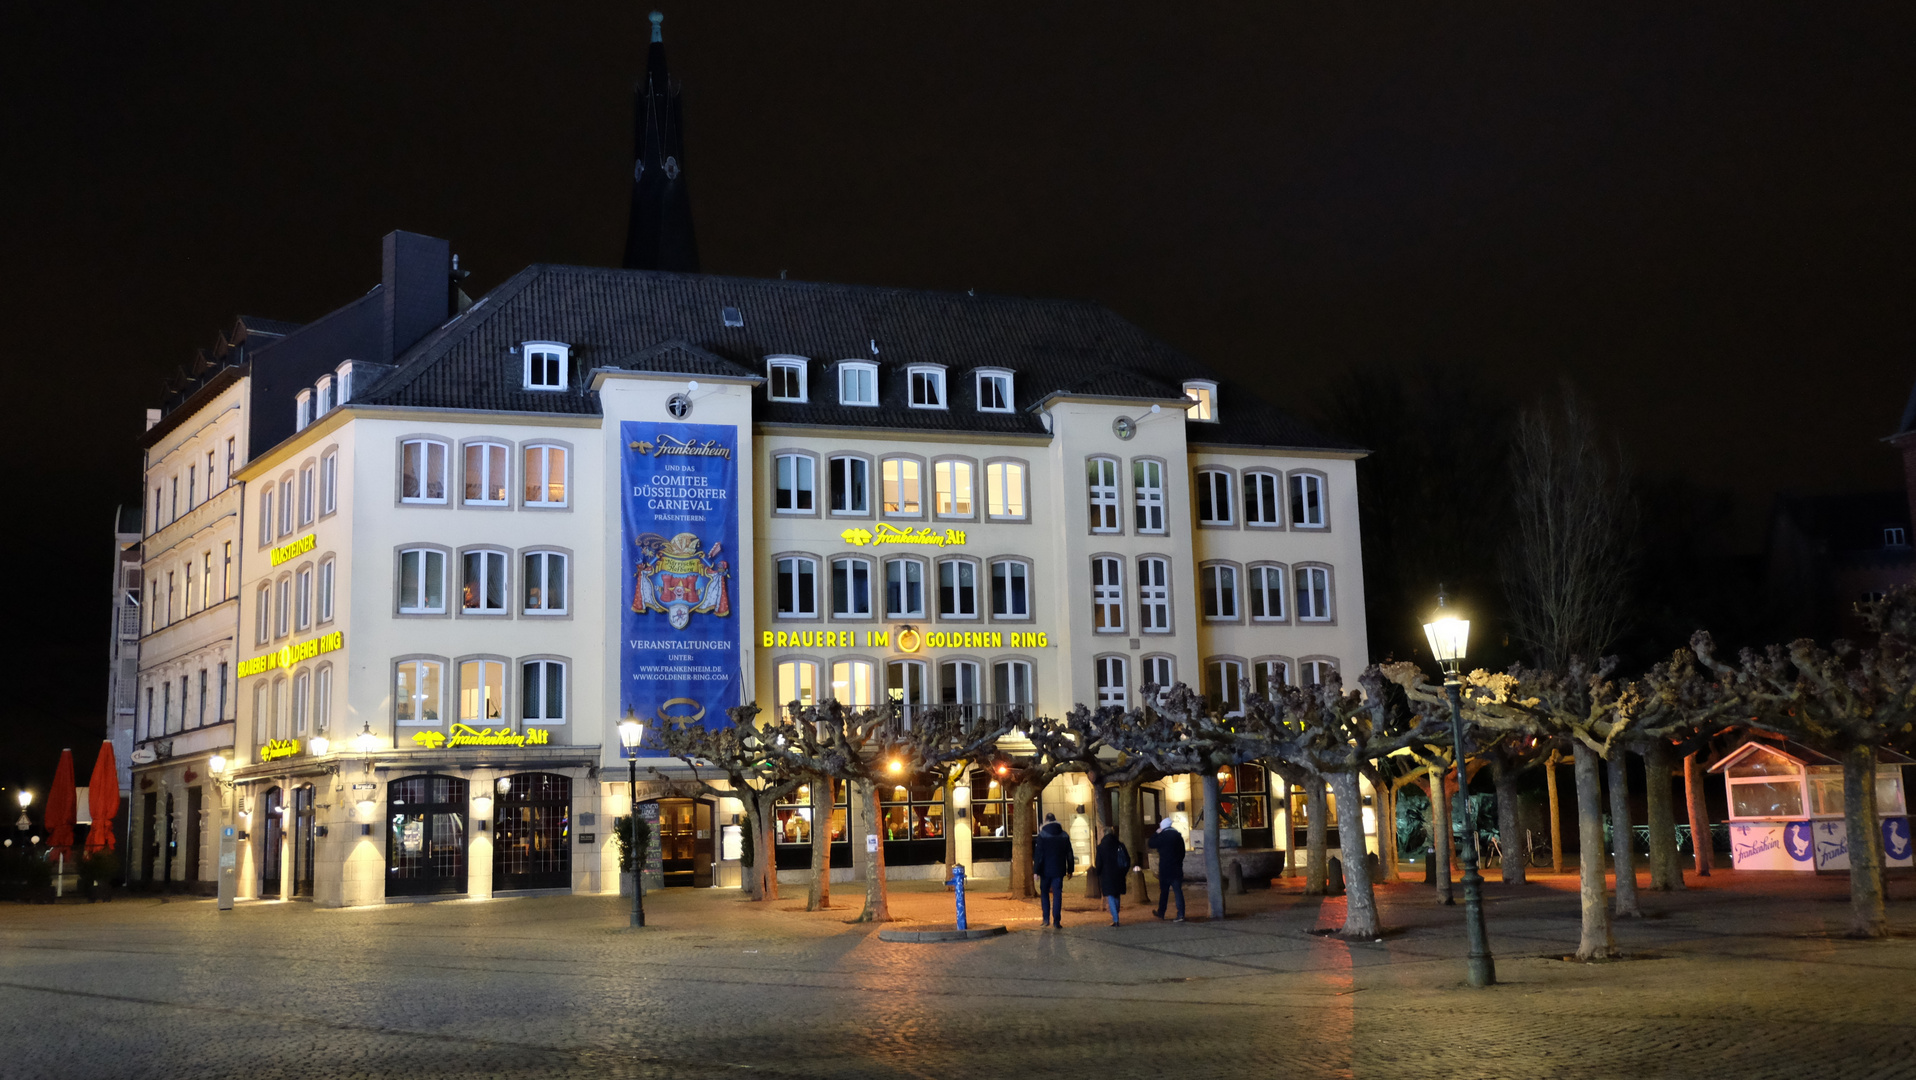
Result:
[[797, 587], [416, 691], [1005, 490], [542, 691], [1244, 799], [958, 684], [854, 684], [532, 832], [1219, 585], [1260, 498], [1223, 686], [1101, 476], [989, 816], [851, 485], [912, 810], [1147, 487], [545, 583], [902, 489], [905, 589], [482, 691], [545, 482], [422, 475], [851, 588], [951, 484], [958, 589], [1112, 683], [1214, 498], [797, 684], [426, 836], [1154, 596], [1107, 594], [1010, 590], [1307, 501], [795, 491], [422, 582], [483, 582], [792, 815]]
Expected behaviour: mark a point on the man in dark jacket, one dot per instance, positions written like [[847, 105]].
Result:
[[1169, 844], [1052, 860], [1113, 863]]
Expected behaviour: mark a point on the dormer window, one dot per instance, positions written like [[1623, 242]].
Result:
[[1205, 394], [994, 391], [927, 386], [732, 316], [857, 383], [323, 397], [302, 410], [545, 365], [786, 378], [343, 375]]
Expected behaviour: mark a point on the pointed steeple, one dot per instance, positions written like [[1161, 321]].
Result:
[[659, 234]]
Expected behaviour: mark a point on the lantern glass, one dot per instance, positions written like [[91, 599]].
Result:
[[630, 733], [1449, 636]]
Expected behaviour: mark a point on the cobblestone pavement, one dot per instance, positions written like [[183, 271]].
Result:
[[1745, 976]]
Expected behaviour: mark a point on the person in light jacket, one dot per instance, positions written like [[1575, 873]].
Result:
[[1052, 860], [1114, 862], [1169, 844]]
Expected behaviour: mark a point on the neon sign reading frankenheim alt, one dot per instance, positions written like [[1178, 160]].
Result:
[[891, 534], [467, 735]]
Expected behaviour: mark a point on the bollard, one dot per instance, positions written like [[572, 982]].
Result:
[[957, 882]]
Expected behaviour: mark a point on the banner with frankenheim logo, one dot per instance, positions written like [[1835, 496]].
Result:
[[680, 662]]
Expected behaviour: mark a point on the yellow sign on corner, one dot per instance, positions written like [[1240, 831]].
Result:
[[279, 748]]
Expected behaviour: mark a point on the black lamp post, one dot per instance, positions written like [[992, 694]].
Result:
[[1448, 636], [631, 733]]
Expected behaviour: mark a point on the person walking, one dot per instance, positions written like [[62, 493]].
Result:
[[1169, 844], [1114, 862], [1052, 860]]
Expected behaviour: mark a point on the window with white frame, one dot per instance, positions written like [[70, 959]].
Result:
[[1147, 486], [542, 691], [482, 582], [544, 475], [206, 580], [286, 506], [1005, 490], [951, 481], [851, 588], [927, 387], [1895, 536], [281, 711], [265, 514], [283, 606], [1214, 498], [1223, 686], [302, 409], [1159, 671], [545, 365], [857, 383], [1270, 676], [851, 485], [422, 582], [1107, 594], [308, 494], [1261, 499], [795, 492], [1010, 590], [1154, 595], [1317, 672], [1267, 593], [1219, 585], [323, 398], [486, 479], [344, 373], [906, 680], [1011, 684], [903, 489], [302, 702], [262, 615], [422, 473], [328, 571], [417, 689], [1307, 501], [1313, 594], [482, 691], [785, 378], [1113, 687], [1101, 479], [545, 583], [260, 730], [329, 483], [994, 391], [797, 587], [303, 604], [958, 683], [192, 479], [322, 699], [958, 589], [905, 589], [1205, 395], [854, 684], [797, 683]]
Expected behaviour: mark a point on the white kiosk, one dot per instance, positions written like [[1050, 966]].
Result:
[[1786, 807]]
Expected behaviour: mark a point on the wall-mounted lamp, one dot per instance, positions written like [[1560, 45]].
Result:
[[319, 745], [961, 796], [481, 810]]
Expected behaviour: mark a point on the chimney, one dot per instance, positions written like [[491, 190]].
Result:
[[415, 271]]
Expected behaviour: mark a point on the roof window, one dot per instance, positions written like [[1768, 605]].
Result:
[[786, 378], [732, 316], [344, 374], [994, 391], [927, 386], [1205, 394], [323, 396], [302, 409], [857, 383], [545, 365]]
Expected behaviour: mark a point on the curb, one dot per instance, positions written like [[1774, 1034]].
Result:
[[940, 932]]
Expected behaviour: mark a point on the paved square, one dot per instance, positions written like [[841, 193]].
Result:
[[1746, 977]]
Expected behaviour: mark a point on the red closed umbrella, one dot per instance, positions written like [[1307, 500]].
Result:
[[103, 800], [60, 801]]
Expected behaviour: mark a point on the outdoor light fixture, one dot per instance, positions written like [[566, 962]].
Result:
[[631, 734], [960, 796], [216, 764], [897, 766], [26, 798], [319, 744], [1448, 637], [481, 811], [366, 742]]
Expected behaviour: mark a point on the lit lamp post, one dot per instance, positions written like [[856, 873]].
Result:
[[631, 732], [1448, 636], [26, 800]]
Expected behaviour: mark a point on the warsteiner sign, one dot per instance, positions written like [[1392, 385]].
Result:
[[680, 660]]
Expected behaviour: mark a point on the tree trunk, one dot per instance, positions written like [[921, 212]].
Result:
[[1867, 916], [1622, 851], [1509, 827], [1666, 874], [1131, 831], [877, 900], [1440, 835], [1022, 828], [1360, 903], [1213, 863], [1556, 817], [754, 873], [1317, 866], [1094, 817], [1701, 846], [820, 896], [1597, 942]]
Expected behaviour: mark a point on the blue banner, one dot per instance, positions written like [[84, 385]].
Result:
[[681, 658]]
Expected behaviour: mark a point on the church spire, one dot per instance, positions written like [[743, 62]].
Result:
[[659, 233]]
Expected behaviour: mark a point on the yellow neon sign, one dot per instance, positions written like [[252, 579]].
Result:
[[885, 533], [467, 735], [288, 655], [295, 549], [279, 748], [908, 639]]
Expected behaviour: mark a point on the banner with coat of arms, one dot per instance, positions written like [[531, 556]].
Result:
[[680, 661]]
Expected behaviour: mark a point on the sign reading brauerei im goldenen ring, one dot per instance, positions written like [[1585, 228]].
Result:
[[288, 655]]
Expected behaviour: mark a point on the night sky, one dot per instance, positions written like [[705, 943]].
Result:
[[1702, 217]]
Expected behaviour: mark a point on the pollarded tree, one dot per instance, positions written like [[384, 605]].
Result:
[[749, 755], [1846, 701]]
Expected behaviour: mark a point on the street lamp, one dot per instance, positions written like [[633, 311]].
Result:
[[26, 800], [631, 733], [1448, 636]]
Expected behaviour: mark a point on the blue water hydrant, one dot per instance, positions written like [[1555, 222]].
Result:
[[957, 881]]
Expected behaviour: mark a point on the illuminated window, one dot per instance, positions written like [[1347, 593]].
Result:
[[544, 477], [1005, 490], [483, 582], [952, 483], [902, 490], [416, 687], [486, 478], [854, 684], [797, 683], [1205, 394], [482, 691], [422, 477]]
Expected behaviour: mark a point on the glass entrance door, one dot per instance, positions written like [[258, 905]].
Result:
[[272, 837], [532, 833], [303, 840], [425, 836], [685, 842]]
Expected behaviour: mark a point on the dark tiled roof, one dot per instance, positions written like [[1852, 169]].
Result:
[[636, 319]]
